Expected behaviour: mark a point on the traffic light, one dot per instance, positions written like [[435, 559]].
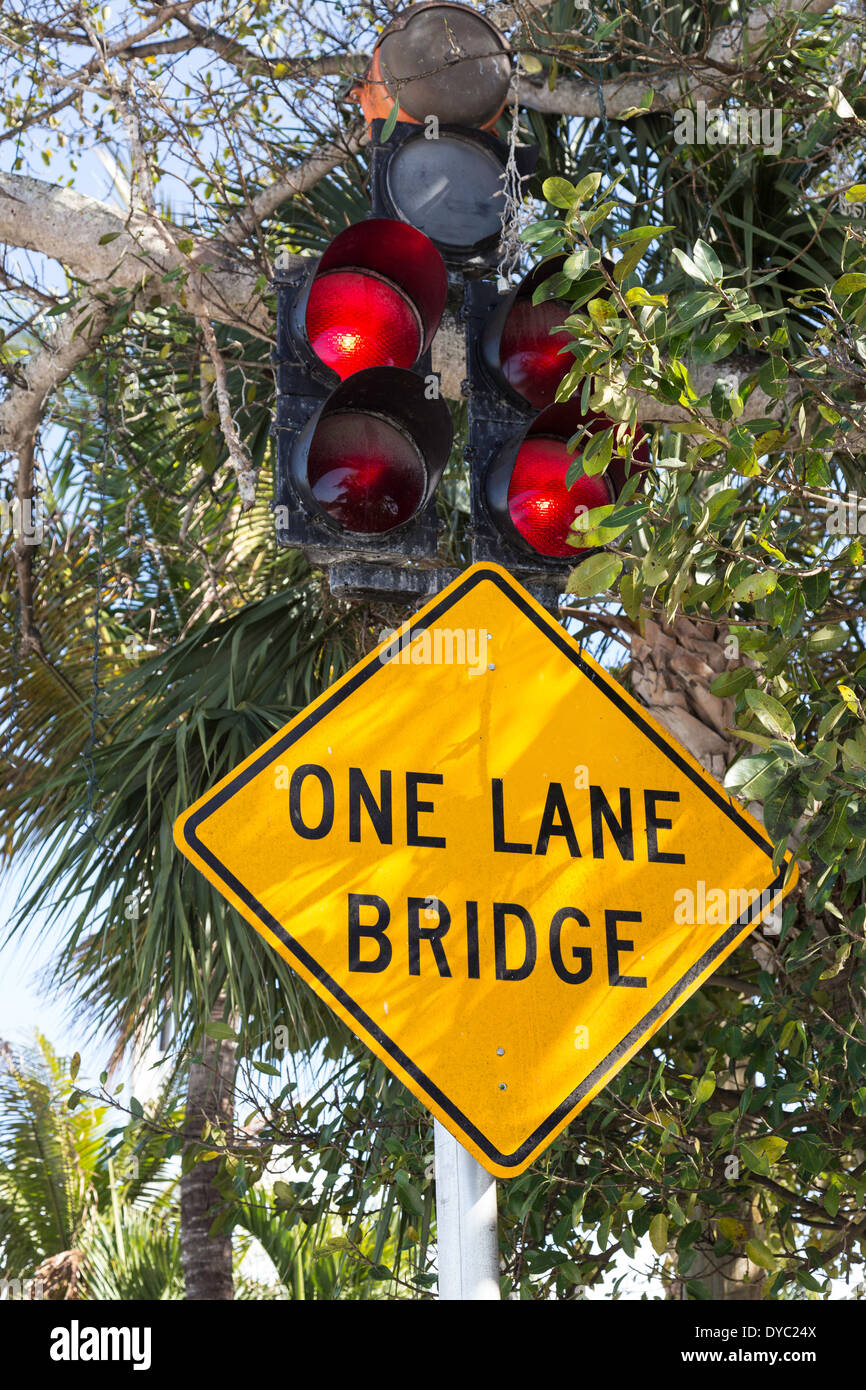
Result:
[[362, 435], [440, 167], [522, 443]]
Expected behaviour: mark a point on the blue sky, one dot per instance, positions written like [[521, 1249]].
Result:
[[27, 1000]]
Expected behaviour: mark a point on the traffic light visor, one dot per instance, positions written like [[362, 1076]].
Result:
[[522, 343], [451, 188]]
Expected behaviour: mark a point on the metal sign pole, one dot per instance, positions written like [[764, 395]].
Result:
[[468, 1238]]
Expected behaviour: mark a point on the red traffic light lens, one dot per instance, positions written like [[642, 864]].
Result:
[[356, 320], [530, 354], [365, 473], [540, 505]]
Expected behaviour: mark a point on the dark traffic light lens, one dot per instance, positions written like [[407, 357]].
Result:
[[451, 188], [530, 353], [356, 321], [366, 474], [540, 505]]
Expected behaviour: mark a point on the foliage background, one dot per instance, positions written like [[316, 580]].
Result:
[[159, 636]]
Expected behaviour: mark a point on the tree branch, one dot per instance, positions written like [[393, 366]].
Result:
[[299, 180], [99, 243], [698, 77]]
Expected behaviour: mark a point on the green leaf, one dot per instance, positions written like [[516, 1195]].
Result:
[[698, 1291], [691, 267], [771, 713], [391, 121], [109, 236], [849, 284], [598, 453], [587, 188], [595, 575], [580, 261], [630, 593], [832, 1200], [707, 261], [601, 312], [849, 697], [755, 586], [840, 103], [842, 954], [646, 102], [827, 639], [658, 1233], [605, 30], [645, 233], [408, 1195], [732, 1229], [754, 777], [771, 1146], [74, 1065], [135, 1107], [758, 1162], [704, 1089], [733, 682], [760, 1254], [589, 530], [221, 1032], [537, 231], [559, 192], [627, 262]]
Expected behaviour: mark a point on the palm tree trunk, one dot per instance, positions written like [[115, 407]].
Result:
[[207, 1259], [673, 667]]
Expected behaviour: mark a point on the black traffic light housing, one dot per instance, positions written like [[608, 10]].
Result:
[[520, 508], [361, 442]]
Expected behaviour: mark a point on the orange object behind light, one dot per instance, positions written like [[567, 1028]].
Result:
[[375, 101]]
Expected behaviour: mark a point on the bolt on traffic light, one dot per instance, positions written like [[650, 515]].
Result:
[[362, 435], [522, 443]]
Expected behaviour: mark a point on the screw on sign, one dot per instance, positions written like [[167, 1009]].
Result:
[[501, 934]]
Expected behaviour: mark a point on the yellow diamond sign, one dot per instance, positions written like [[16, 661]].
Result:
[[497, 869]]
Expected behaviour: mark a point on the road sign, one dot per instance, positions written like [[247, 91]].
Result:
[[497, 869]]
